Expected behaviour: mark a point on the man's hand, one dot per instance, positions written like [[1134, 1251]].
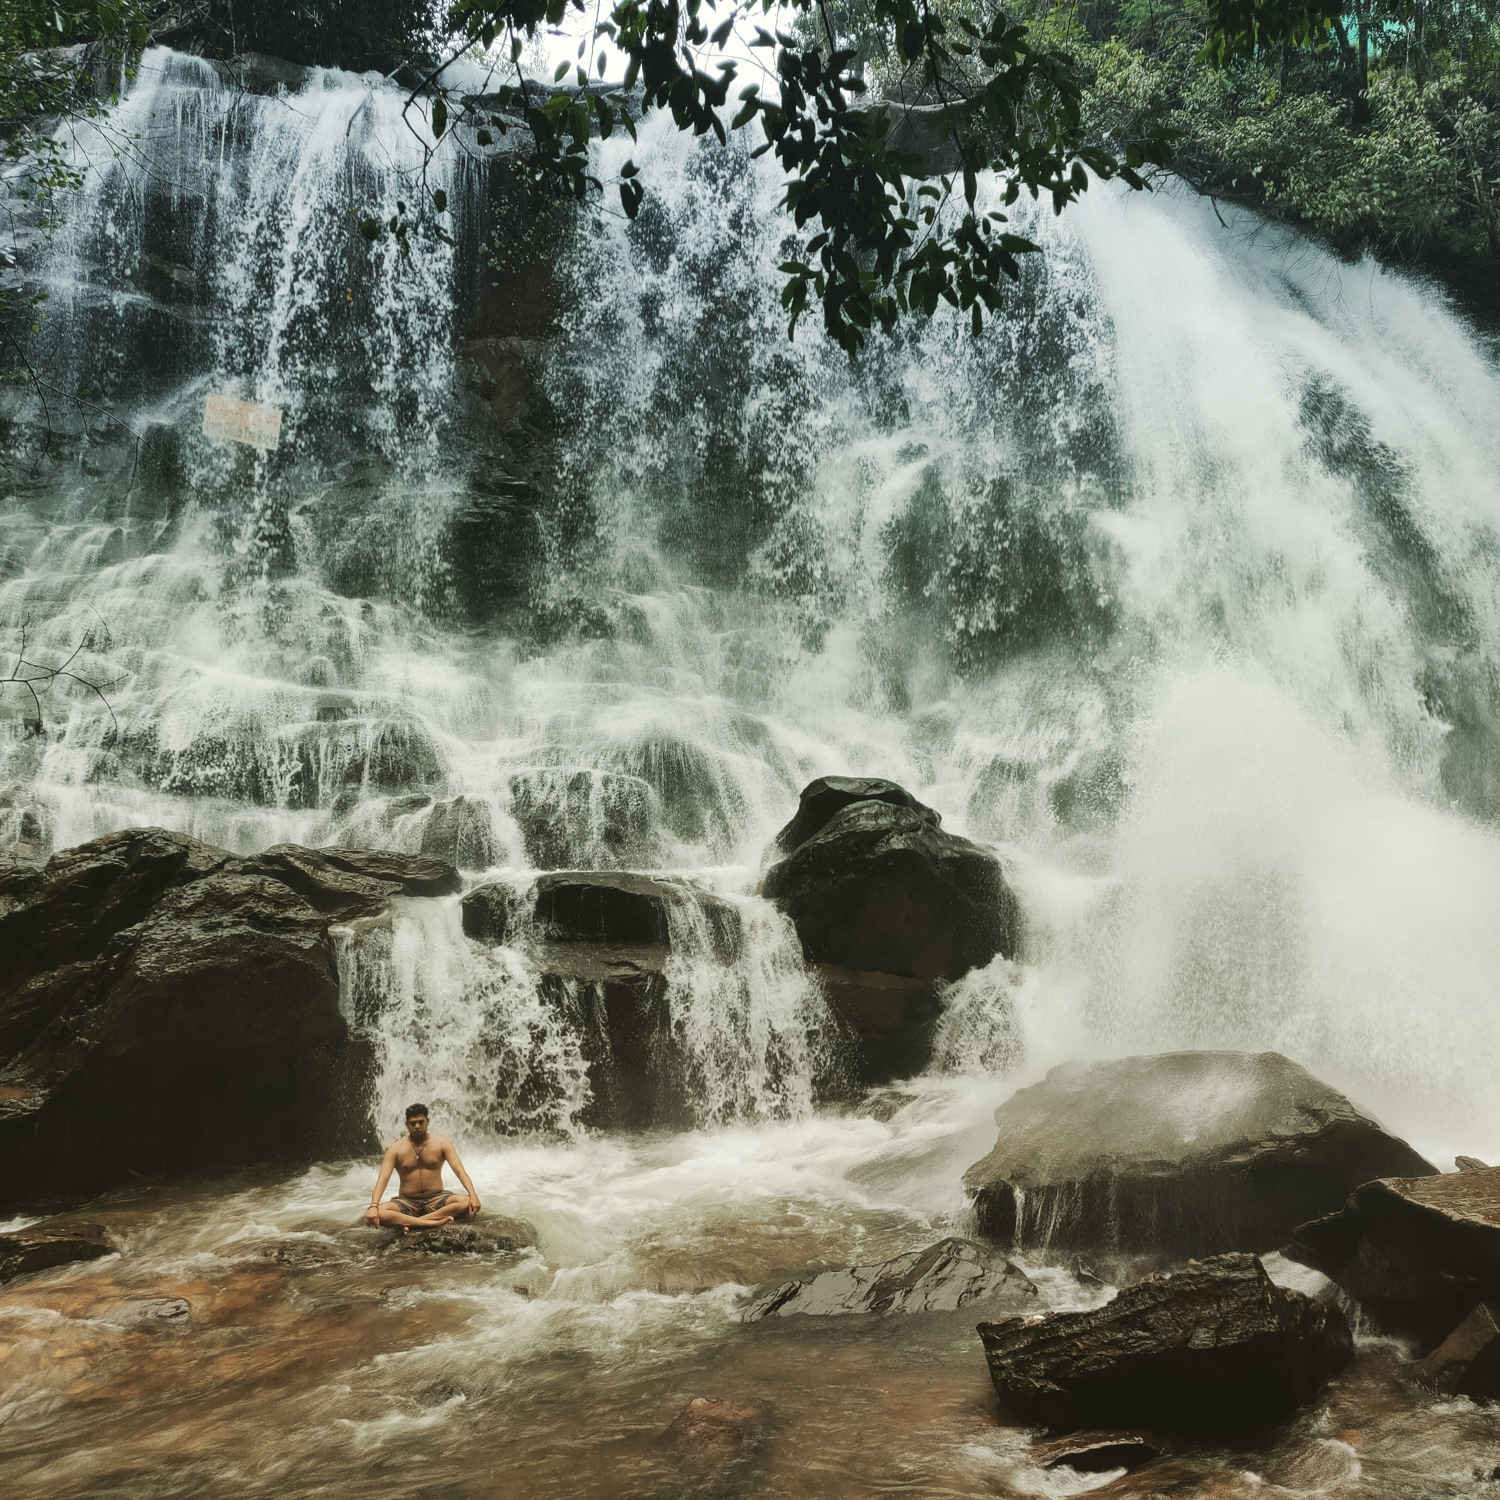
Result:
[[372, 1216], [473, 1205]]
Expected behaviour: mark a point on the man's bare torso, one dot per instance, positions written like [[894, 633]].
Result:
[[420, 1166]]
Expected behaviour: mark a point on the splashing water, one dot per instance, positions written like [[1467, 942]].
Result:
[[1189, 602]]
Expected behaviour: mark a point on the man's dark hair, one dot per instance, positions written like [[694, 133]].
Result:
[[415, 1109]]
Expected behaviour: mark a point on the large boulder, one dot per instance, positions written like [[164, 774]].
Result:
[[944, 1277], [1185, 1153], [878, 885], [166, 1008], [1417, 1253], [1216, 1346]]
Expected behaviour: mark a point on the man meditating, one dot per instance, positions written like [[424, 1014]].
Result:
[[423, 1202]]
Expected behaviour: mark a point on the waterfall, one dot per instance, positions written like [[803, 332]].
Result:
[[498, 1042], [1179, 585]]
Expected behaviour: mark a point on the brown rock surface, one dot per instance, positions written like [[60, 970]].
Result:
[[44, 1246]]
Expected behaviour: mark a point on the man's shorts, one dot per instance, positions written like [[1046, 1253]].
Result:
[[427, 1203]]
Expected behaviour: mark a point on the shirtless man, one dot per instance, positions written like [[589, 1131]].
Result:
[[423, 1202]]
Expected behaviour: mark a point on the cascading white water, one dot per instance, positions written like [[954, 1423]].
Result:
[[1179, 585]]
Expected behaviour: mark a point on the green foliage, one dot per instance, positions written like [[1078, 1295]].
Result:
[[58, 61], [992, 93], [1384, 136]]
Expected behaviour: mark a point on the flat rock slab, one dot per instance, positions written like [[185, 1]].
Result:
[[41, 1248], [492, 1234], [1214, 1347], [1186, 1153], [949, 1275], [1417, 1253]]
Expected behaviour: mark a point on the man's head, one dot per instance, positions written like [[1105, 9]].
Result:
[[416, 1121]]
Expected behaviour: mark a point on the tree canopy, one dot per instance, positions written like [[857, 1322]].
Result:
[[1375, 123], [883, 239]]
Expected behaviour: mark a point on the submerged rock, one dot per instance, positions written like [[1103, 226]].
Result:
[[1216, 1346], [712, 1443], [1417, 1253], [43, 1246], [1186, 1153], [489, 1234], [879, 886], [944, 1277]]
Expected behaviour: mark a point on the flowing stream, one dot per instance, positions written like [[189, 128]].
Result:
[[1179, 588]]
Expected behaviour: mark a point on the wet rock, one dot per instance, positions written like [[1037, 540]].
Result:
[[879, 886], [489, 1234], [892, 1017], [350, 883], [1185, 1153], [44, 1246], [828, 795], [609, 908], [488, 912], [1216, 1346], [700, 799], [258, 73], [1098, 1452], [151, 1315], [160, 1002], [214, 1015], [461, 831], [1467, 1362], [570, 817], [68, 910], [1417, 1253], [951, 1274], [1470, 1164]]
